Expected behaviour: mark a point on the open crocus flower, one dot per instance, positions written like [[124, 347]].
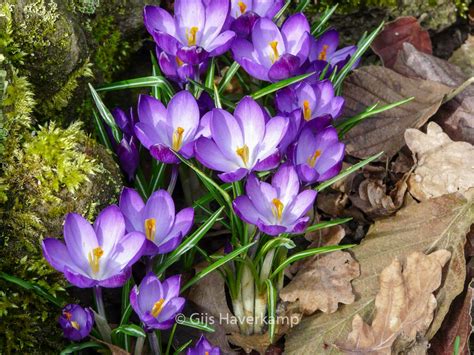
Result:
[[162, 130], [157, 303], [242, 142], [318, 156], [157, 220], [99, 255], [194, 33], [76, 322], [278, 207], [272, 54], [313, 101], [244, 13], [203, 347]]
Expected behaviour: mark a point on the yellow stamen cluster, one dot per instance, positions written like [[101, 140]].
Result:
[[312, 160], [179, 62], [150, 228], [93, 257], [191, 35], [243, 153], [274, 46], [178, 138], [242, 7], [306, 110], [277, 208], [323, 54], [157, 307], [75, 325]]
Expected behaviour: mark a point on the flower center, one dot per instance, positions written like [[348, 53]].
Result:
[[312, 160], [242, 7], [306, 110], [191, 35], [277, 208], [150, 228], [179, 62], [178, 138], [243, 153], [68, 315], [157, 307], [323, 54], [93, 257], [75, 325], [274, 46]]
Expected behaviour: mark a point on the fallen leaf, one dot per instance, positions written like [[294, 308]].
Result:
[[323, 283], [455, 116], [438, 223], [443, 166], [324, 237], [114, 349], [395, 33], [463, 57], [404, 305], [458, 322], [384, 132]]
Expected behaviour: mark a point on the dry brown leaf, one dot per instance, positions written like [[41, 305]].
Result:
[[323, 283], [327, 236], [395, 33], [443, 166], [438, 223], [404, 305], [384, 132], [457, 115]]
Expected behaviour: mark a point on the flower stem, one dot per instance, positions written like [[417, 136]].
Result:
[[170, 339], [149, 264], [154, 345], [99, 301], [174, 177], [139, 346]]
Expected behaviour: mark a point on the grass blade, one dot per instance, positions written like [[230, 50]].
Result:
[[143, 82], [271, 300], [181, 349], [233, 69], [278, 85], [282, 11], [209, 83], [131, 330], [327, 224], [101, 132], [81, 346], [302, 5], [106, 115], [194, 323], [319, 27], [157, 177]]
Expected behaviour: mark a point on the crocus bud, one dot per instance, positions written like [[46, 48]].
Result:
[[76, 322]]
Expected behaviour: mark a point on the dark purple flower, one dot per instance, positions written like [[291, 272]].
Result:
[[203, 347], [318, 156], [162, 129], [244, 13], [274, 54], [241, 143], [278, 207], [175, 69], [156, 303], [157, 220], [76, 322], [194, 33], [101, 254]]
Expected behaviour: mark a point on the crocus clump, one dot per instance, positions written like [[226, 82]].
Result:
[[278, 207], [241, 143], [76, 322], [274, 54], [157, 303], [163, 130], [98, 255], [244, 13], [157, 220], [318, 156], [203, 347], [194, 33]]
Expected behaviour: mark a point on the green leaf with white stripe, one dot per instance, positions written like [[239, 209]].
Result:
[[271, 301], [106, 115], [131, 330]]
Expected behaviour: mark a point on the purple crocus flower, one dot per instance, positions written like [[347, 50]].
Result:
[[194, 33], [157, 220], [203, 347], [318, 156], [162, 130], [178, 71], [242, 142], [244, 13], [101, 254], [76, 322], [157, 303], [278, 207], [273, 55]]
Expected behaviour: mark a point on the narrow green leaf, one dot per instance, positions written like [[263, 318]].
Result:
[[126, 315], [209, 83], [194, 323], [130, 329], [318, 28], [302, 5], [155, 71], [279, 85], [216, 265], [282, 11], [106, 115], [157, 177], [140, 184], [181, 349], [124, 304], [81, 346], [217, 97], [327, 224], [306, 254], [101, 132], [273, 244], [347, 172], [233, 69], [226, 102], [143, 82], [457, 344], [272, 301]]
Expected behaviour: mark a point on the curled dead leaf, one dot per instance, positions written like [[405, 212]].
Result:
[[404, 305], [443, 166]]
